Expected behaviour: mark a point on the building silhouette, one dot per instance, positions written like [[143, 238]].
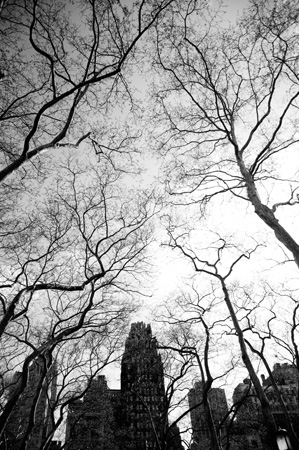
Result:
[[142, 387], [91, 423], [246, 430], [132, 418], [135, 417], [287, 379], [31, 418], [201, 429]]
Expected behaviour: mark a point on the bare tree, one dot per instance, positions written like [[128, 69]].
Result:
[[229, 99], [73, 235], [56, 380], [280, 336], [237, 91], [62, 69], [197, 336], [211, 267], [285, 335], [76, 265]]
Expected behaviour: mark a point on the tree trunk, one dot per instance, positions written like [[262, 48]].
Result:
[[289, 426], [269, 420], [266, 214]]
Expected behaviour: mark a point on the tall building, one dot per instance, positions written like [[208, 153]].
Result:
[[91, 422], [31, 417], [248, 430], [201, 431], [142, 386], [247, 427], [132, 418], [287, 379]]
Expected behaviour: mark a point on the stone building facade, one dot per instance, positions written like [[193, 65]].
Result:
[[246, 430], [132, 418], [31, 418], [287, 380], [142, 387], [91, 423], [201, 430]]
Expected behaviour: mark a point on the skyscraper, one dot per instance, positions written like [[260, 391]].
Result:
[[142, 386], [132, 418]]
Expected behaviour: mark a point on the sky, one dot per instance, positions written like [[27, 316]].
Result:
[[171, 270], [234, 7], [170, 267]]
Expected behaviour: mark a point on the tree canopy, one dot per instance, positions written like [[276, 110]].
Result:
[[217, 110]]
